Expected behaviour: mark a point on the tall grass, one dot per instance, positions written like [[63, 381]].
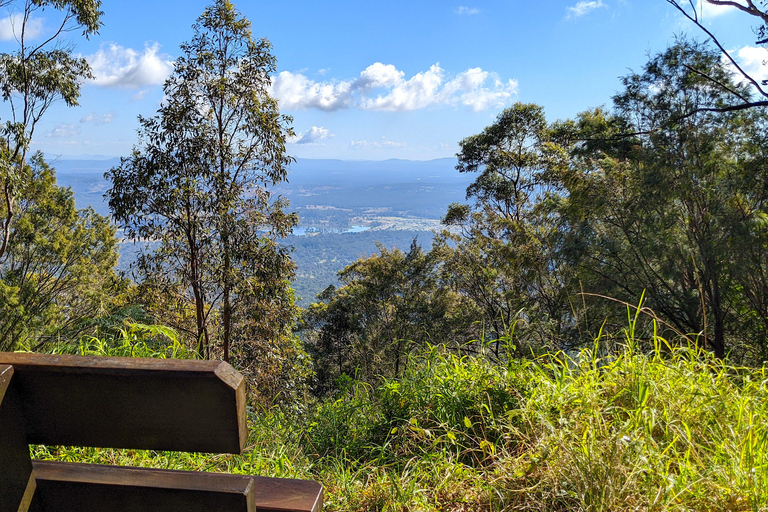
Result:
[[668, 429]]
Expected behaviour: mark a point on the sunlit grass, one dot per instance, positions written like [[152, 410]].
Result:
[[668, 428]]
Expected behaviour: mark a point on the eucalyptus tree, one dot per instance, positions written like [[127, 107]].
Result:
[[665, 196], [506, 257], [59, 272], [41, 71], [55, 262], [197, 182], [388, 305]]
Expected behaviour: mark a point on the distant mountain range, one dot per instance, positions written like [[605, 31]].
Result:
[[404, 185]]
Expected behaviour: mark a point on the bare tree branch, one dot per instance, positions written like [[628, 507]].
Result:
[[749, 8]]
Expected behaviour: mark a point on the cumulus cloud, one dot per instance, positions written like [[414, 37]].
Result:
[[384, 87], [93, 117], [312, 136], [297, 92], [379, 75], [420, 91], [752, 60], [10, 27], [64, 130], [467, 10], [468, 88], [582, 8], [116, 66]]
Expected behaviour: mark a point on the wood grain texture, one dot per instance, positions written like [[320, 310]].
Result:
[[29, 493], [129, 403], [67, 487], [116, 402]]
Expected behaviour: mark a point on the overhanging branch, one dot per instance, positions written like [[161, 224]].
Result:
[[749, 9]]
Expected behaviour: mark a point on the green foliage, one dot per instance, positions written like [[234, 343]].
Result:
[[674, 429], [319, 257], [32, 78], [506, 259], [59, 266], [661, 196], [755, 8], [197, 183], [390, 304], [671, 207], [55, 262]]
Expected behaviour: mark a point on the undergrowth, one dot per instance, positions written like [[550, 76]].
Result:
[[665, 429]]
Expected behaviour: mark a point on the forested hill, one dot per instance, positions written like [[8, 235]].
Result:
[[345, 207]]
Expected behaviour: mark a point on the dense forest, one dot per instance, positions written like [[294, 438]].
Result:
[[602, 291]]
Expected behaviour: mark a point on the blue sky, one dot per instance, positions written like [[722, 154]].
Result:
[[379, 80]]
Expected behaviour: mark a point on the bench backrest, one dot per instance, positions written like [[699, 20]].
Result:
[[121, 402], [109, 402]]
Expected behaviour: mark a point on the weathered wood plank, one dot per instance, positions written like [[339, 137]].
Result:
[[116, 402], [67, 487], [287, 495], [6, 372], [16, 480]]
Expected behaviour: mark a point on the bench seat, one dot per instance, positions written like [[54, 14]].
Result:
[[69, 487]]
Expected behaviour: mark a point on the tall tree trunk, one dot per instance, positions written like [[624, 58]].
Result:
[[227, 319], [718, 345], [197, 292], [202, 341], [226, 313]]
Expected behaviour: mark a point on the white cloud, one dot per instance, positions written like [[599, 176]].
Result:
[[582, 8], [419, 92], [469, 88], [297, 92], [379, 75], [116, 66], [312, 136], [10, 27], [93, 117], [63, 130], [752, 60], [384, 87], [467, 10]]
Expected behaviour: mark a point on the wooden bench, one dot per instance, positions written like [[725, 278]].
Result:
[[108, 402]]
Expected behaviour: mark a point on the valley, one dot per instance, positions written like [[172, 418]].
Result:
[[345, 208]]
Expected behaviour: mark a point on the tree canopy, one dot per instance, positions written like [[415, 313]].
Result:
[[658, 204], [198, 182], [56, 263], [754, 8]]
